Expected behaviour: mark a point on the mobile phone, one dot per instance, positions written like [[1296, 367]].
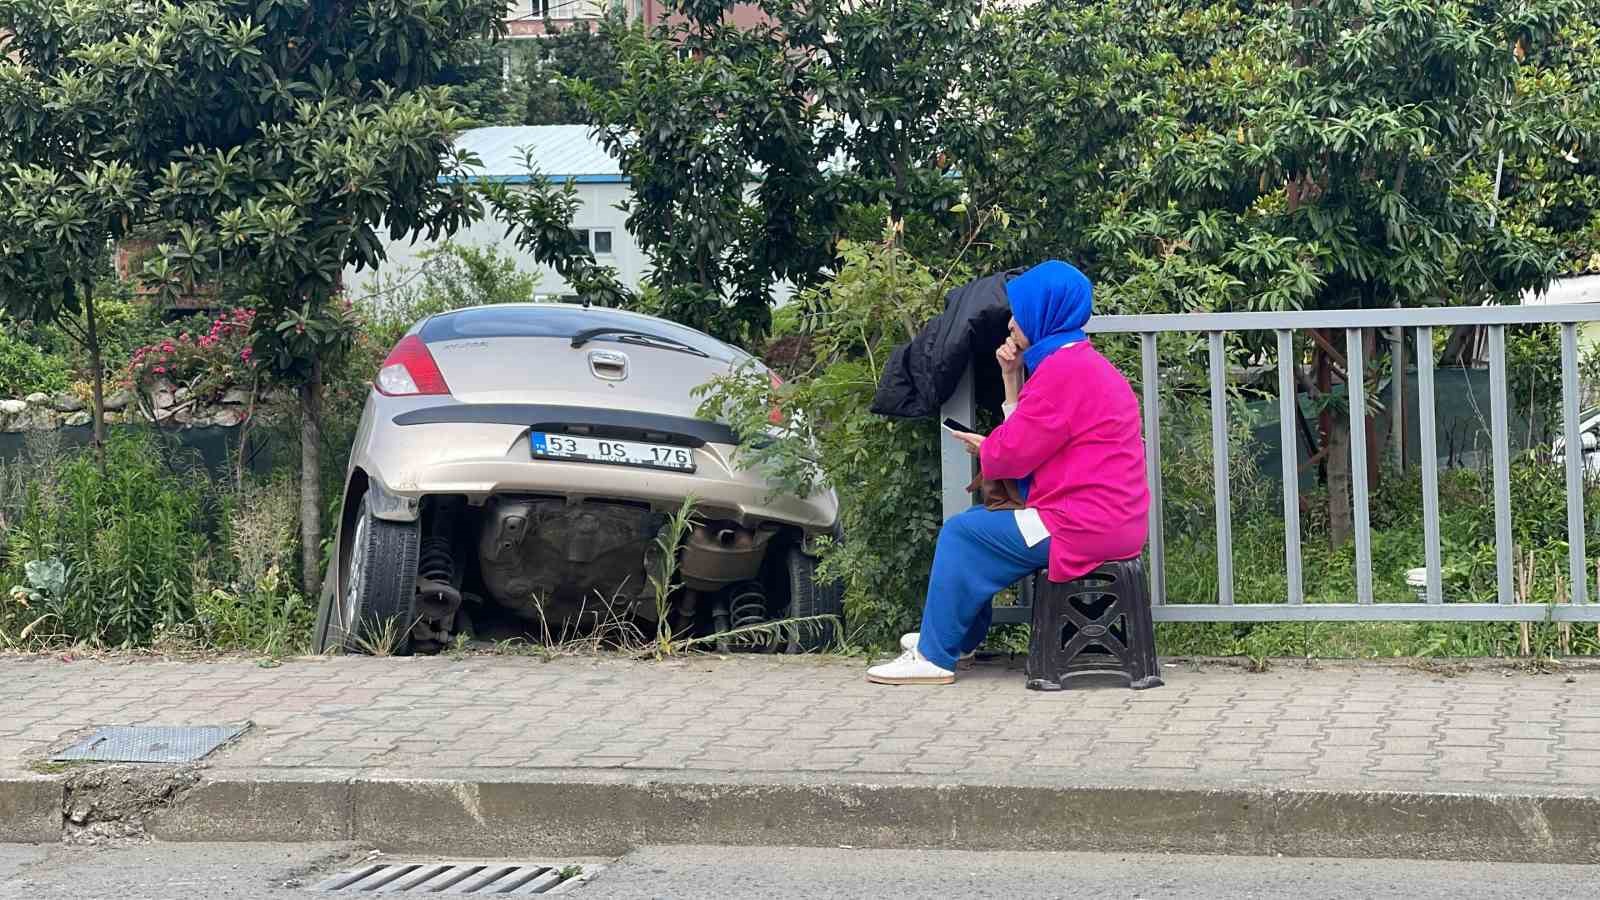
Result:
[[953, 425]]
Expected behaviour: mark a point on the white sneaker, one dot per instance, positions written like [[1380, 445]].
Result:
[[909, 640], [910, 668]]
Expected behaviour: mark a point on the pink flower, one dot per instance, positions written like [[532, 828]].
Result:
[[244, 355], [161, 370]]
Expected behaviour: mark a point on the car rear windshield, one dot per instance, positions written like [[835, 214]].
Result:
[[559, 320]]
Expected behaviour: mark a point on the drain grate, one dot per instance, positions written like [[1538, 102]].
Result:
[[151, 743], [477, 879]]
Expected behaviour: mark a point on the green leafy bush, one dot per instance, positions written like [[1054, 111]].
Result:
[[130, 536], [887, 471], [25, 368]]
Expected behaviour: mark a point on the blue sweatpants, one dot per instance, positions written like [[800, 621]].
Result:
[[981, 552]]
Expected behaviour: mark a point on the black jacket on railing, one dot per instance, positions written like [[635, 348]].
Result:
[[921, 375]]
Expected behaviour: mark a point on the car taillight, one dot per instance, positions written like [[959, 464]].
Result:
[[776, 416], [409, 371]]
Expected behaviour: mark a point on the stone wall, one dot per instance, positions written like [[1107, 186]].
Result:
[[164, 405]]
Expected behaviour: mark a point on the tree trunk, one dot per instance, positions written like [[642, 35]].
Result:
[[97, 379], [1340, 523], [1459, 349], [311, 481]]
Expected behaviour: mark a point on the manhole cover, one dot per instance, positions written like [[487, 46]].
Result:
[[151, 743], [473, 879]]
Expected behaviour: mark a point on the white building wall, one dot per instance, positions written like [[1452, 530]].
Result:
[[597, 212]]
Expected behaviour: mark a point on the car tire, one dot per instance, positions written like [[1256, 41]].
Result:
[[377, 585], [808, 597], [320, 644]]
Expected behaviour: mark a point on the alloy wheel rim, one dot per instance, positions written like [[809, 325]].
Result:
[[357, 576]]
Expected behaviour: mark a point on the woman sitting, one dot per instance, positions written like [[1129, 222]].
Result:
[[1072, 441]]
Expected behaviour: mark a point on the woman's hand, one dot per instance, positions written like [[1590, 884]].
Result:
[[1010, 360], [973, 442]]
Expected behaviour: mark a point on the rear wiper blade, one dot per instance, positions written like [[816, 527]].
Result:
[[628, 335]]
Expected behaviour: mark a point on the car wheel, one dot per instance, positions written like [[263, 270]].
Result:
[[374, 601], [807, 598]]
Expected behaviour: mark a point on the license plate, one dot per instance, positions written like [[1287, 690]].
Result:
[[605, 450]]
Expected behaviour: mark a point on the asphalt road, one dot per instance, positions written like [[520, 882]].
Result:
[[280, 872]]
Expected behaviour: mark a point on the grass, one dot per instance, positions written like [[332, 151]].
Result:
[[381, 637], [1466, 524], [50, 766]]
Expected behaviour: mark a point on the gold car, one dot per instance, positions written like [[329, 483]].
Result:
[[515, 465]]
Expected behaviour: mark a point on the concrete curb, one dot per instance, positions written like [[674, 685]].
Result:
[[596, 814], [30, 810]]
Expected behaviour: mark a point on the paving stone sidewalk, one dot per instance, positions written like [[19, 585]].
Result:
[[1486, 730]]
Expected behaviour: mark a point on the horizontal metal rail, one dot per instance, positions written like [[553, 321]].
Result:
[[1433, 604], [1342, 319], [1377, 612]]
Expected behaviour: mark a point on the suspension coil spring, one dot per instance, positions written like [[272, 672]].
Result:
[[748, 607], [436, 562]]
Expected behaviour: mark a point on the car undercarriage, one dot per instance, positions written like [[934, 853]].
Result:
[[544, 569]]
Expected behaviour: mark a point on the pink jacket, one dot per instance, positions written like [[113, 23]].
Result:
[[1076, 433]]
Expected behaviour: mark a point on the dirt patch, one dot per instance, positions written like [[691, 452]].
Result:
[[111, 804]]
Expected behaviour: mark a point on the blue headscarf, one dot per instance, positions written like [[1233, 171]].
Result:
[[1051, 303]]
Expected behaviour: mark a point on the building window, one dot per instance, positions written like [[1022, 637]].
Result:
[[540, 9], [597, 241]]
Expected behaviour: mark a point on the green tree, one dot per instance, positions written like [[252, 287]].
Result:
[[479, 86], [1554, 187], [746, 147], [75, 179], [1340, 155], [548, 68], [265, 143]]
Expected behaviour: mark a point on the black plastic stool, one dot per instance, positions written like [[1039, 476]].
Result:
[[1099, 624]]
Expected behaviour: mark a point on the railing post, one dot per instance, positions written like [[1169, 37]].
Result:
[[1355, 359], [1427, 431], [1152, 466], [1288, 407], [1219, 470], [955, 463], [1577, 555], [1499, 437], [1397, 398]]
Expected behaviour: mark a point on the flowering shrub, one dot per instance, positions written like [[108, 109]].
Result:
[[207, 365]]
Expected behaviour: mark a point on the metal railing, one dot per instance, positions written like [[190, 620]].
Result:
[[957, 465]]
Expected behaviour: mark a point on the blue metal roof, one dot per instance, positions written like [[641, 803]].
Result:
[[560, 153]]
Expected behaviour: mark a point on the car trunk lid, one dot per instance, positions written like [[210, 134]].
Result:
[[601, 373]]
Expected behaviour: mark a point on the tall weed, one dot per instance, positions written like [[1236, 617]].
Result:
[[253, 602], [129, 537]]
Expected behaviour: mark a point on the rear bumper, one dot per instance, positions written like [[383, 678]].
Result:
[[466, 455], [621, 423]]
